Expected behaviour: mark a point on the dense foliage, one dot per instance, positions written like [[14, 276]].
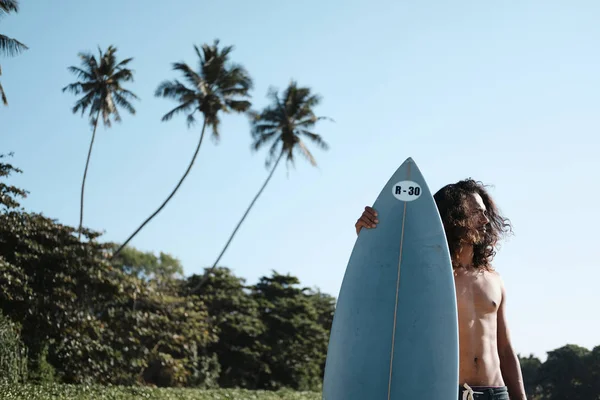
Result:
[[81, 392], [135, 319]]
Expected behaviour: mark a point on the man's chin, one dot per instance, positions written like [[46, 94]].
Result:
[[480, 238], [477, 238]]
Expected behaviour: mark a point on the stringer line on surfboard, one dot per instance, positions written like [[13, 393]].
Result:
[[397, 292]]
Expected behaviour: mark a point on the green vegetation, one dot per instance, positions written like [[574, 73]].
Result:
[[134, 319], [8, 46], [13, 361], [84, 392]]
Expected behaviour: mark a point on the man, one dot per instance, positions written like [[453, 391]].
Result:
[[489, 367]]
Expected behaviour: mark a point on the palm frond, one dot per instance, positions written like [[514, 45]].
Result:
[[83, 103], [306, 153], [123, 102], [213, 62], [238, 106], [235, 91], [216, 86], [109, 108], [127, 94], [81, 74], [284, 121], [88, 61], [289, 152], [123, 63], [124, 75], [11, 47], [191, 120], [180, 108], [265, 138], [213, 122], [173, 89], [189, 74], [8, 6], [263, 127], [234, 79], [100, 80], [316, 139], [75, 88], [273, 94], [274, 152], [311, 121], [3, 95]]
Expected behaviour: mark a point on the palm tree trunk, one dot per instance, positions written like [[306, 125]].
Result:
[[170, 196], [87, 163], [205, 277]]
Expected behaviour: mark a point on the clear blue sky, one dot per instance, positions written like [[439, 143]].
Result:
[[506, 93]]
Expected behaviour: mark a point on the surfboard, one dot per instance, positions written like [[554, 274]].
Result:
[[395, 327]]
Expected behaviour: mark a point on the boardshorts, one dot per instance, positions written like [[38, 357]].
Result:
[[467, 392]]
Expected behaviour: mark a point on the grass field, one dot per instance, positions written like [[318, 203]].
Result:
[[68, 392]]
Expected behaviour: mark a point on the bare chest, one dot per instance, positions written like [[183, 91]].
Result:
[[478, 292]]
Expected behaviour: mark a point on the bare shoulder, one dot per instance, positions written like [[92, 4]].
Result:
[[495, 275]]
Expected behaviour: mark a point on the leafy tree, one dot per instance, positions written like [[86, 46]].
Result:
[[8, 46], [13, 361], [564, 374], [13, 281], [50, 281], [296, 342], [324, 305], [235, 315], [593, 367], [164, 329], [96, 323], [283, 124], [163, 340], [9, 195], [218, 86], [530, 367], [101, 83], [146, 265]]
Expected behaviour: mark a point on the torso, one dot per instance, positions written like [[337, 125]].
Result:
[[478, 295]]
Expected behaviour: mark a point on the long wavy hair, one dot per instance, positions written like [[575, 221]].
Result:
[[451, 201]]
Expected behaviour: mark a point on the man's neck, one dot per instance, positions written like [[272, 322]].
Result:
[[465, 256]]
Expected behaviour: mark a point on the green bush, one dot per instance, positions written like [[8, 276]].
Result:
[[13, 358], [84, 392], [44, 371]]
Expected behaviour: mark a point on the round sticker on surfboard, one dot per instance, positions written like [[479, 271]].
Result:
[[406, 190]]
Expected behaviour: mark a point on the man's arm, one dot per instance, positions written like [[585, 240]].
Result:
[[509, 362]]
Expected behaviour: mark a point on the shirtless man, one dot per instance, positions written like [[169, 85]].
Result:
[[489, 366]]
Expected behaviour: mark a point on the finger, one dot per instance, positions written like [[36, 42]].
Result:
[[371, 214], [362, 223], [371, 211], [368, 221]]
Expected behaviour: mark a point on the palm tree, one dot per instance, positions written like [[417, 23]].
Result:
[[101, 84], [283, 124], [8, 46], [217, 86]]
